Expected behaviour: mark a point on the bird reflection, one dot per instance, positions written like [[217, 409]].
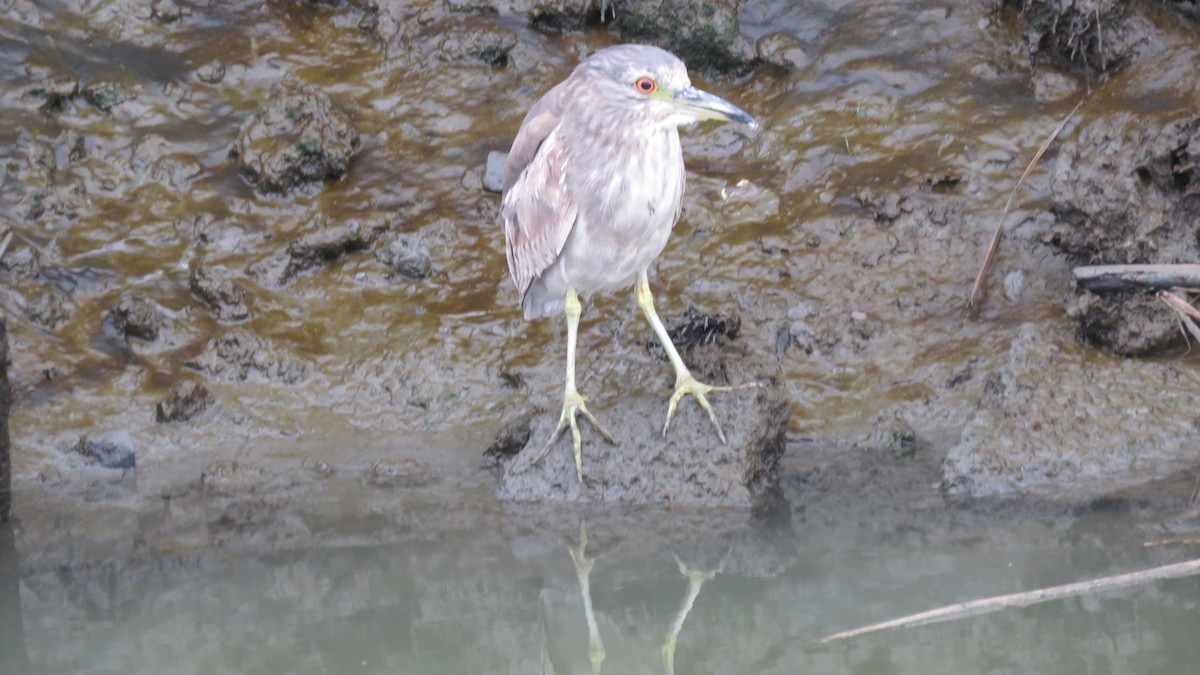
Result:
[[559, 652]]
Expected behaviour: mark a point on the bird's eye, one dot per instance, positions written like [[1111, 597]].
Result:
[[645, 85]]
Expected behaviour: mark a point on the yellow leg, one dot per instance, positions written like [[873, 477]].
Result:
[[573, 403], [696, 579], [684, 382], [583, 572]]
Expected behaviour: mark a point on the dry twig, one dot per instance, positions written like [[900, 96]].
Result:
[[986, 605], [977, 289], [5, 241], [1099, 278], [1187, 313], [1170, 542]]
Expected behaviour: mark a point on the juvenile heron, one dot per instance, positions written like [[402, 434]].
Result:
[[592, 187]]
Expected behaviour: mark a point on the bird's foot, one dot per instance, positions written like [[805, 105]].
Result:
[[685, 384], [573, 404]]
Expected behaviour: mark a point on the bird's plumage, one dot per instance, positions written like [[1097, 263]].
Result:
[[590, 199]]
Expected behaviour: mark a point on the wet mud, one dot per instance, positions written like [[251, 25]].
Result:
[[252, 246]]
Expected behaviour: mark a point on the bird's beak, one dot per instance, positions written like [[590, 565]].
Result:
[[704, 106]]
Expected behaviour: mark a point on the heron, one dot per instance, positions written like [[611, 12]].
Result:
[[593, 186]]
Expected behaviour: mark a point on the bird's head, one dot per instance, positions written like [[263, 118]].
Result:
[[653, 83]]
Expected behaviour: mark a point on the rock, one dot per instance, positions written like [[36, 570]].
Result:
[[1014, 284], [426, 32], [493, 174], [781, 49], [1043, 431], [405, 472], [1128, 324], [297, 137], [104, 96], [49, 310], [211, 73], [224, 298], [407, 256], [165, 11], [689, 465], [135, 317], [239, 354], [466, 38], [111, 451], [706, 35], [512, 439], [184, 401], [5, 407], [1088, 37], [1125, 191], [326, 243], [55, 92]]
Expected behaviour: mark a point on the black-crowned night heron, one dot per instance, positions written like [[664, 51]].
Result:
[[592, 187]]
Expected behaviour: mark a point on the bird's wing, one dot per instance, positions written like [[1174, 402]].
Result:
[[537, 211]]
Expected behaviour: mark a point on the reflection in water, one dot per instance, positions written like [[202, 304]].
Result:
[[596, 654], [502, 599]]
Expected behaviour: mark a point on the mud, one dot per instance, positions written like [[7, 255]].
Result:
[[843, 237], [689, 465], [1127, 190]]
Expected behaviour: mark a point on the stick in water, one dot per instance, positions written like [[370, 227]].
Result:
[[963, 610]]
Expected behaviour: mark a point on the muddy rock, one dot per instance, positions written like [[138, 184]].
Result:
[[706, 35], [104, 95], [166, 11], [326, 243], [689, 465], [1128, 323], [1128, 191], [54, 92], [512, 438], [5, 406], [1043, 431], [135, 317], [1088, 37], [49, 310], [405, 472], [432, 33], [406, 256], [493, 172], [296, 137], [211, 73], [184, 401], [111, 451], [224, 299], [781, 49], [239, 355]]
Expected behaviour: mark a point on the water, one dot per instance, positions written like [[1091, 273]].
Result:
[[504, 596]]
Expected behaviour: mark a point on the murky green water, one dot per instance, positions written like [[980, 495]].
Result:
[[507, 599]]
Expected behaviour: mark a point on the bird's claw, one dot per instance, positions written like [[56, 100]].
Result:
[[573, 404], [685, 384]]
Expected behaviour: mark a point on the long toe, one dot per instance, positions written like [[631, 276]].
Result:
[[573, 405], [686, 385]]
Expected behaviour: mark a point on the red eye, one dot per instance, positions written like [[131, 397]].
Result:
[[645, 85]]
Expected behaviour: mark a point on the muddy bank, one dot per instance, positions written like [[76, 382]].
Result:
[[210, 317]]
